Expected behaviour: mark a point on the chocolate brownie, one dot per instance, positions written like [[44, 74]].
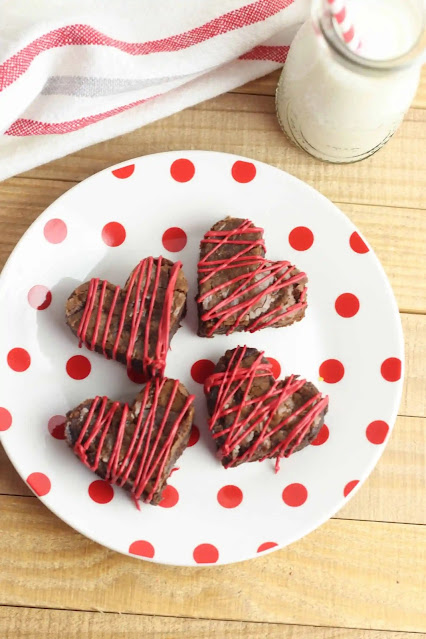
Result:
[[133, 325], [238, 288], [253, 416], [134, 446]]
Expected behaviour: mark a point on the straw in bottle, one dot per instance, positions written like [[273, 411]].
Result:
[[343, 24]]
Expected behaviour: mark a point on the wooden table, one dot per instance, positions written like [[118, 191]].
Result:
[[362, 575]]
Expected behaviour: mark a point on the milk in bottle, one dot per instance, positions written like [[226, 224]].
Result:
[[340, 104]]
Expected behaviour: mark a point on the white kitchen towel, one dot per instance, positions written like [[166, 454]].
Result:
[[73, 73]]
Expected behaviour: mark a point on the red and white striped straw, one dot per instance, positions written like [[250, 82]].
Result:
[[343, 24]]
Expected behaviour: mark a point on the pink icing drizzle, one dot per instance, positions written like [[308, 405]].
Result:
[[230, 382], [151, 365], [144, 443], [265, 270]]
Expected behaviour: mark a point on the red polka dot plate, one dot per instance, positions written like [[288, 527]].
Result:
[[350, 344]]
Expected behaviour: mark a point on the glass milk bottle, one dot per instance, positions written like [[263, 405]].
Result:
[[341, 102]]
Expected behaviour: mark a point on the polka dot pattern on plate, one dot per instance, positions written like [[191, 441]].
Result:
[[142, 548], [136, 377], [276, 367], [78, 367], [267, 545], [18, 359], [262, 511], [357, 244], [5, 419], [295, 495], [101, 492], [194, 436], [322, 436], [40, 483], [230, 496], [56, 426], [170, 497], [301, 238], [182, 170], [347, 305], [376, 431], [201, 370], [350, 486], [243, 172], [124, 172], [113, 234], [206, 554], [332, 371], [174, 239], [391, 369], [55, 231], [39, 297]]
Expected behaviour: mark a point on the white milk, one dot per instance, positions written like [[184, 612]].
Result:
[[339, 110]]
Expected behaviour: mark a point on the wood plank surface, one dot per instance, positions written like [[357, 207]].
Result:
[[10, 481], [345, 574], [396, 234], [362, 575], [400, 472], [247, 124], [30, 623], [268, 84], [396, 489], [413, 400]]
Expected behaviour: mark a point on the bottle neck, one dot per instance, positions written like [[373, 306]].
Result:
[[326, 28]]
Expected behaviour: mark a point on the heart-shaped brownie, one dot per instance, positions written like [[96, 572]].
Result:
[[133, 325], [254, 416], [134, 446], [238, 288]]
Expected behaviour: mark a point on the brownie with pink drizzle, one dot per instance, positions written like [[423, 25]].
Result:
[[238, 288], [255, 417], [134, 446], [134, 324]]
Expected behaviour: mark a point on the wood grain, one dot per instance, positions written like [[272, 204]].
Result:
[[396, 234], [21, 202], [246, 124], [348, 576], [268, 83], [10, 482], [400, 472], [413, 400], [396, 489], [30, 623], [345, 574]]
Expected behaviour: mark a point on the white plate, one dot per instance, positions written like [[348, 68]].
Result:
[[147, 198]]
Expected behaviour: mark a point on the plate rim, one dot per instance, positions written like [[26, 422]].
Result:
[[399, 348]]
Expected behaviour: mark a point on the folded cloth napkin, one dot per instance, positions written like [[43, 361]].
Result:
[[76, 73]]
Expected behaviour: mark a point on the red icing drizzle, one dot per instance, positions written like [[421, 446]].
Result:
[[273, 276], [143, 445], [151, 365], [230, 381]]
